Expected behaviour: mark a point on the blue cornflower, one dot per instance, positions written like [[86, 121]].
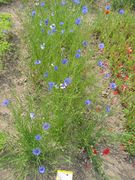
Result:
[[53, 27], [51, 85], [49, 32], [33, 13], [41, 169], [42, 4], [108, 109], [100, 63], [53, 30], [38, 137], [56, 68], [85, 43], [113, 86], [67, 81], [79, 51], [63, 2], [101, 46], [5, 102], [62, 86], [46, 74], [108, 7], [88, 102], [42, 30], [64, 61], [78, 21], [46, 126], [121, 11], [71, 30], [46, 21], [84, 10], [78, 55], [37, 62], [32, 115], [76, 1], [107, 75], [36, 151], [61, 23]]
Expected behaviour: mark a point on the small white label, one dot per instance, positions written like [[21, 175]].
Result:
[[64, 175]]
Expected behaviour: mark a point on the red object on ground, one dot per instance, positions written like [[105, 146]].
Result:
[[106, 151], [129, 50], [115, 92], [124, 87], [126, 78], [94, 151]]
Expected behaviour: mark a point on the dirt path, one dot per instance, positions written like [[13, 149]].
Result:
[[12, 77]]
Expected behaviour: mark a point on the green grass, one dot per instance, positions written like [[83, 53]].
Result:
[[2, 141], [5, 26], [117, 33], [73, 125], [119, 4], [5, 1]]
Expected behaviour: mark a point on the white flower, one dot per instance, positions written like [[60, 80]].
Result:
[[53, 26], [42, 46]]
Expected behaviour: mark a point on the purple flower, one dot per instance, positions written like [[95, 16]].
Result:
[[62, 86], [64, 61], [33, 13], [46, 21], [49, 32], [37, 62], [32, 115], [107, 75], [42, 4], [108, 7], [46, 74], [78, 21], [5, 102], [85, 43], [113, 86], [67, 81], [108, 109], [100, 63], [78, 55], [101, 46], [51, 85], [84, 10], [56, 68], [121, 11], [42, 169], [79, 51], [46, 126], [71, 30], [76, 1], [36, 151], [63, 2], [88, 102], [61, 23], [42, 30], [38, 137]]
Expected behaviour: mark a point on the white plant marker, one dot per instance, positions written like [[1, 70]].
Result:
[[64, 175]]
